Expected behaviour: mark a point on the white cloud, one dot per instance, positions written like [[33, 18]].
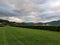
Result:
[[15, 19]]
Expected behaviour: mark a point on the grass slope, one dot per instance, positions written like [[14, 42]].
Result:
[[23, 36]]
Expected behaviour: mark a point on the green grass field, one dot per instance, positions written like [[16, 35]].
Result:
[[23, 36]]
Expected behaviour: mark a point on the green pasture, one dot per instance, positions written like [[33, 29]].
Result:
[[23, 36]]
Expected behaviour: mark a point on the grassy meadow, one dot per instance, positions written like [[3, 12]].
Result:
[[23, 36]]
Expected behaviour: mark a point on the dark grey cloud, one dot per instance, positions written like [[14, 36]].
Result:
[[31, 10]]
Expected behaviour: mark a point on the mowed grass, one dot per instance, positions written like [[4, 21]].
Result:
[[23, 36]]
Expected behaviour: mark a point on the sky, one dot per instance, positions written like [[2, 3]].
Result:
[[30, 10]]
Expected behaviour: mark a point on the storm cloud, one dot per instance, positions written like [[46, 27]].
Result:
[[30, 10]]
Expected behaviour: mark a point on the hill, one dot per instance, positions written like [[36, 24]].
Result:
[[3, 22], [54, 23], [23, 36]]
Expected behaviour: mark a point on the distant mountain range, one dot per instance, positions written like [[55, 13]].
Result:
[[54, 22]]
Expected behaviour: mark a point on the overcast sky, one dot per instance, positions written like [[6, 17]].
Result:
[[30, 10]]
